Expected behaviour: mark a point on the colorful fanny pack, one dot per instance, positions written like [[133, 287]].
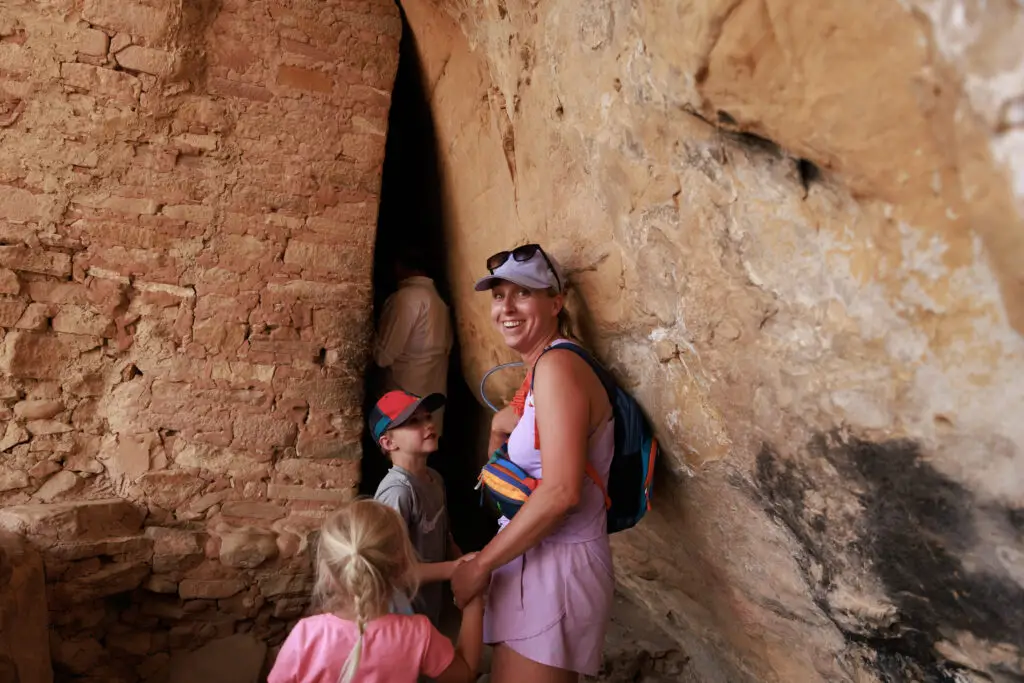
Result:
[[508, 484]]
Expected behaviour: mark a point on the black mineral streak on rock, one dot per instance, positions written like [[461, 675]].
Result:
[[915, 527]]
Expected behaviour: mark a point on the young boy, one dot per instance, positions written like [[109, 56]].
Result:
[[401, 425]]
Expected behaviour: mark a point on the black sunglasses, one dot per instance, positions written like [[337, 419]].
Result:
[[522, 254]]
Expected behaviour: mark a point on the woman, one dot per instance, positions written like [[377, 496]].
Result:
[[548, 572]]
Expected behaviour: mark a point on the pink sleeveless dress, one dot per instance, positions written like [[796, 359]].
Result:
[[553, 603]]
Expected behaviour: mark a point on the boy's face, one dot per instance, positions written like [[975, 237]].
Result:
[[417, 436]]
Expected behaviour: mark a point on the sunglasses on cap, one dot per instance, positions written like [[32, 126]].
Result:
[[522, 255]]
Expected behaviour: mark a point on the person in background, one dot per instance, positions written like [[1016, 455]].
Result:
[[363, 559], [414, 335]]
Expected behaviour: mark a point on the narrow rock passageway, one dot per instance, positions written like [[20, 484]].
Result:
[[411, 222]]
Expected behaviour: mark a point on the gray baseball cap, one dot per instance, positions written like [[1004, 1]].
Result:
[[534, 273]]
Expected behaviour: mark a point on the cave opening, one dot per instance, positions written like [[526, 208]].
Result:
[[412, 213]]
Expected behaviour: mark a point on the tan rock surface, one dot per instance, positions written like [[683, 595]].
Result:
[[795, 234]]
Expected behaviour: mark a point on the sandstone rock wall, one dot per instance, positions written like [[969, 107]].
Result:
[[795, 231], [188, 195]]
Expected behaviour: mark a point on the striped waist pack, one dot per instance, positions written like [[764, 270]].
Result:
[[507, 482]]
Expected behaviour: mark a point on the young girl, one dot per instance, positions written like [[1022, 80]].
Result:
[[364, 558]]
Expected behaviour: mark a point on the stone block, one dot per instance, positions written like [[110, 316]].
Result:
[[129, 205], [31, 260], [290, 608], [47, 427], [38, 409], [114, 578], [12, 480], [161, 584], [169, 490], [312, 445], [276, 585], [9, 283], [129, 460], [240, 253], [246, 547], [21, 206], [257, 431], [83, 321], [337, 473], [14, 434], [32, 355], [226, 309], [127, 548], [47, 524], [309, 80], [193, 213], [149, 21], [60, 484], [323, 293], [283, 351], [11, 311], [147, 60], [118, 86], [174, 549], [253, 509], [289, 492], [36, 317], [43, 469], [92, 42], [238, 463], [51, 292], [195, 143], [210, 589]]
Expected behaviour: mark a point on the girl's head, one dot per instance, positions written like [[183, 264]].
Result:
[[363, 558], [527, 297]]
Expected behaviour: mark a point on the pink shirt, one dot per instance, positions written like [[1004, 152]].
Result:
[[396, 649]]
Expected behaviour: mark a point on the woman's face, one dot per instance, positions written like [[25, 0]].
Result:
[[525, 317]]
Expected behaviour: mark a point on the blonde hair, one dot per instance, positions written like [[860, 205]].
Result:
[[566, 323], [363, 559]]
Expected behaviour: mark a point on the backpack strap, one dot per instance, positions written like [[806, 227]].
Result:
[[606, 381]]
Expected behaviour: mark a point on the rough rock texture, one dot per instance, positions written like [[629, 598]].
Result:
[[188, 195], [24, 655], [795, 231]]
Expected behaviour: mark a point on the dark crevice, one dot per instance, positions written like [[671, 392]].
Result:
[[411, 220], [809, 173]]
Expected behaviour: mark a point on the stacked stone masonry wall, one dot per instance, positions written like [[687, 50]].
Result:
[[188, 198]]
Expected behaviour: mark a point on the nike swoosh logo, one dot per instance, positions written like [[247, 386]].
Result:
[[428, 526]]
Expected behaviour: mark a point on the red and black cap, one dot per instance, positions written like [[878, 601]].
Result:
[[395, 407]]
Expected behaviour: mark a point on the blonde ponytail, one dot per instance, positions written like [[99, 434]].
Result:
[[363, 558]]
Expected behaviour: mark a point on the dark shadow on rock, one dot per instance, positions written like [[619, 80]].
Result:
[[914, 533]]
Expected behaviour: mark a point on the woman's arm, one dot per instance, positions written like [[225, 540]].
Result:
[[502, 424], [561, 396]]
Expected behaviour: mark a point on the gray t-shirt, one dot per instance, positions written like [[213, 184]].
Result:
[[421, 502]]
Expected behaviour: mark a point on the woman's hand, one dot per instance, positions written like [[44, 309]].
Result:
[[469, 580]]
